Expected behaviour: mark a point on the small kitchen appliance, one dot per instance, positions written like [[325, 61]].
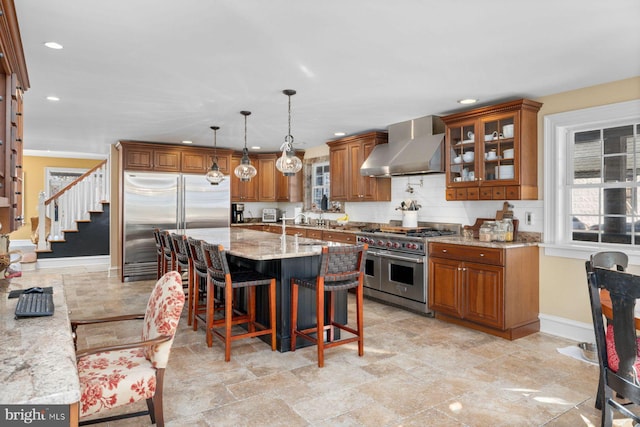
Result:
[[269, 215], [237, 213]]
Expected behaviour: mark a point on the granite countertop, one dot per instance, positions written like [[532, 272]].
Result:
[[458, 240], [259, 245], [38, 357]]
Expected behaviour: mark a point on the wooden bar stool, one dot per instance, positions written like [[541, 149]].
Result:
[[197, 282], [219, 275], [159, 253], [168, 256], [181, 257], [341, 268]]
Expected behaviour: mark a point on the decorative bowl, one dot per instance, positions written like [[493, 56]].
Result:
[[468, 156], [457, 159]]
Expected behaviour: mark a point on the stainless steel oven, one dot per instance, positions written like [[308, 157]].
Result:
[[396, 264]]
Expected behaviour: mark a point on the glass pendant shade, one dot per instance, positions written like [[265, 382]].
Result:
[[289, 164], [245, 170], [214, 176]]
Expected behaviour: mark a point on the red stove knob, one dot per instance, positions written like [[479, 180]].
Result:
[[411, 245], [388, 244], [380, 243], [396, 245]]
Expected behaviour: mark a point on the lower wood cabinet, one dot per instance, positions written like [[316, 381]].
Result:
[[312, 233], [494, 290]]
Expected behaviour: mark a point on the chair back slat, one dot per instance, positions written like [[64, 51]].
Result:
[[624, 289], [216, 259], [179, 242], [339, 263]]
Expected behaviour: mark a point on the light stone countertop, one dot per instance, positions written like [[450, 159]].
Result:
[[258, 245], [458, 240], [38, 359]]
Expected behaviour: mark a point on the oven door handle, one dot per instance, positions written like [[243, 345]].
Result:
[[400, 257]]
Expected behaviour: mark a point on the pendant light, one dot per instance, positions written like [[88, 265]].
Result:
[[245, 170], [288, 163], [214, 176]]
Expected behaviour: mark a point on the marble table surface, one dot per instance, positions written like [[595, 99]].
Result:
[[258, 245], [37, 356]]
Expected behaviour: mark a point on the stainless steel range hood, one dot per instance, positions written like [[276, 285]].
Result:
[[415, 147]]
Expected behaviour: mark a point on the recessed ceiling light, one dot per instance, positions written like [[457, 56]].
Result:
[[53, 45], [53, 98], [339, 134], [187, 142], [467, 101], [256, 147]]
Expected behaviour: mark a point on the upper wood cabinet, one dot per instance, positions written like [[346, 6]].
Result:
[[346, 155], [290, 188], [492, 152], [243, 191], [14, 81], [158, 157], [267, 177]]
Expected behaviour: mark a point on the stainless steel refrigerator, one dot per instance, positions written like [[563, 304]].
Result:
[[166, 201]]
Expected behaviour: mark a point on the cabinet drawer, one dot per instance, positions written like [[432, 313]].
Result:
[[482, 255], [498, 193], [473, 193], [513, 193], [451, 194], [336, 236], [314, 234]]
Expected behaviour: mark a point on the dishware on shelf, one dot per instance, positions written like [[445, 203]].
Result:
[[508, 153], [507, 131], [457, 159], [468, 156], [491, 155], [471, 176], [505, 172], [470, 135]]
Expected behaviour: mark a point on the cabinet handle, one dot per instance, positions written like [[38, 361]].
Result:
[[481, 254], [444, 250]]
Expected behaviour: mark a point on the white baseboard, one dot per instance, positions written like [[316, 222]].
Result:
[[96, 262], [566, 328]]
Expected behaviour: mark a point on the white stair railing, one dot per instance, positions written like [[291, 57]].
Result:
[[72, 204]]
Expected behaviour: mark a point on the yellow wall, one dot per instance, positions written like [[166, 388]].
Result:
[[34, 182], [563, 286]]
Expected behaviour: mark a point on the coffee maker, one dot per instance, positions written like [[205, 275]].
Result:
[[237, 213]]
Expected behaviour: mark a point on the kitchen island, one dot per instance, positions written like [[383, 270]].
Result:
[[38, 356], [282, 257]]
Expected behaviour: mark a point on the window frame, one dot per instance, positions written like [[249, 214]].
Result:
[[558, 129]]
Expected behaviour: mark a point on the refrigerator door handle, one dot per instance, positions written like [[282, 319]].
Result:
[[180, 204]]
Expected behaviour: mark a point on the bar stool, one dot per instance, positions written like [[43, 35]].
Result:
[[197, 282], [341, 268], [219, 275], [168, 256], [181, 257], [159, 253]]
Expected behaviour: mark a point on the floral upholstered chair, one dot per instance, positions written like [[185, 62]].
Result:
[[126, 373]]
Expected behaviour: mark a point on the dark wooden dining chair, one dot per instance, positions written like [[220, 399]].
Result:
[[607, 259], [159, 253], [341, 268], [617, 343], [197, 283], [168, 256]]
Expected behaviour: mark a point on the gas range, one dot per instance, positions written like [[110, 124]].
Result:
[[411, 240], [396, 266]]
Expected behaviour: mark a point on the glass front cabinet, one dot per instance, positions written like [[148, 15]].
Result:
[[492, 152]]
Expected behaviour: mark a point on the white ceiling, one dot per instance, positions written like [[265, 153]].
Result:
[[167, 70]]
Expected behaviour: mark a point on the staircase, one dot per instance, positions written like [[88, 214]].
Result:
[[79, 217]]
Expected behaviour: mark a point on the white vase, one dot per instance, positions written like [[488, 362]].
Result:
[[409, 218]]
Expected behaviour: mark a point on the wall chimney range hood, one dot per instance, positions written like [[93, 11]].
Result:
[[416, 147]]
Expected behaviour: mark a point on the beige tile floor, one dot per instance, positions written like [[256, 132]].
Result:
[[416, 371]]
